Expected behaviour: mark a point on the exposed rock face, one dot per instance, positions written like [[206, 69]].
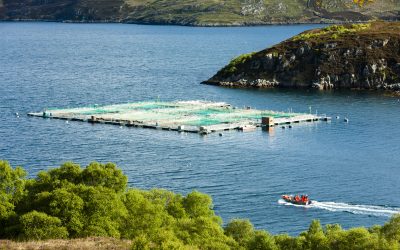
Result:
[[351, 56]]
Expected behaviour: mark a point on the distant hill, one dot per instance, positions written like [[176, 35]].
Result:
[[201, 13]]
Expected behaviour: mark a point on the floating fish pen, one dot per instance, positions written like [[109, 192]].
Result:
[[185, 116]]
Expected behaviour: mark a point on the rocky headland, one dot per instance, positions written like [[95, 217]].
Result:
[[352, 56]]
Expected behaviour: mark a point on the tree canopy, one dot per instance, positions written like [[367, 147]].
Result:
[[73, 202]]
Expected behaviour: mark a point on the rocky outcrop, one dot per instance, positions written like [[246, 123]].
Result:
[[363, 56]]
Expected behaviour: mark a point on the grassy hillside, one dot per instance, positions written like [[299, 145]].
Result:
[[184, 12], [205, 12]]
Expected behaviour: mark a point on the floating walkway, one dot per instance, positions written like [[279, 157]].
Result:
[[184, 116]]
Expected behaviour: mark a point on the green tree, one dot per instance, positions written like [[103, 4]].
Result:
[[197, 204], [391, 229], [204, 232], [72, 202], [315, 237], [359, 239], [141, 242], [262, 241], [171, 202], [68, 174], [69, 171], [103, 211], [104, 175], [284, 241], [68, 206], [40, 226], [335, 235], [163, 240], [12, 192], [175, 207], [242, 231], [143, 216], [12, 188]]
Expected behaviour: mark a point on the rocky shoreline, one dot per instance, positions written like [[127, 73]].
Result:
[[358, 56], [182, 24]]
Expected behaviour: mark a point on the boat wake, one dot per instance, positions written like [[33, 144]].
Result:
[[349, 208]]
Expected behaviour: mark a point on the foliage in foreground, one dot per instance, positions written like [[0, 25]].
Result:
[[70, 202]]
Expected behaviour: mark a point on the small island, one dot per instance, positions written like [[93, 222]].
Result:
[[351, 56]]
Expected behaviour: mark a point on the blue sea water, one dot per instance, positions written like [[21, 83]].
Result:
[[351, 169]]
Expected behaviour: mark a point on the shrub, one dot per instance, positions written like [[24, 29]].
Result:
[[104, 175], [284, 241], [40, 226], [197, 204], [232, 66], [391, 229], [240, 230], [12, 188], [262, 241], [334, 31]]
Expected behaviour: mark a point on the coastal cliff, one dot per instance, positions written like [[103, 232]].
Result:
[[353, 56], [201, 13]]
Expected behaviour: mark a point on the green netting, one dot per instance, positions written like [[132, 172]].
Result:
[[209, 112], [195, 113], [204, 122], [259, 116], [151, 106], [97, 111]]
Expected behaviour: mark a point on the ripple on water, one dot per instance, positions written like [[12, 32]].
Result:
[[80, 64]]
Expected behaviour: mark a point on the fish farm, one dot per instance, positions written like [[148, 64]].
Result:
[[185, 116]]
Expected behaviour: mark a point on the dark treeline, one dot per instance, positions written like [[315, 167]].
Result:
[[73, 202]]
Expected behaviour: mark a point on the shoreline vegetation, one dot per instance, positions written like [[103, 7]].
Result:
[[70, 207], [202, 13], [205, 25]]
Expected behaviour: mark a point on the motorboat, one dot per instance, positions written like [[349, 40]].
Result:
[[297, 199]]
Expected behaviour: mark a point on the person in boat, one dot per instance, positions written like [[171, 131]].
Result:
[[296, 198]]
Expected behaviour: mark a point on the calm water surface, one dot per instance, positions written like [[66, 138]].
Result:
[[351, 169]]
